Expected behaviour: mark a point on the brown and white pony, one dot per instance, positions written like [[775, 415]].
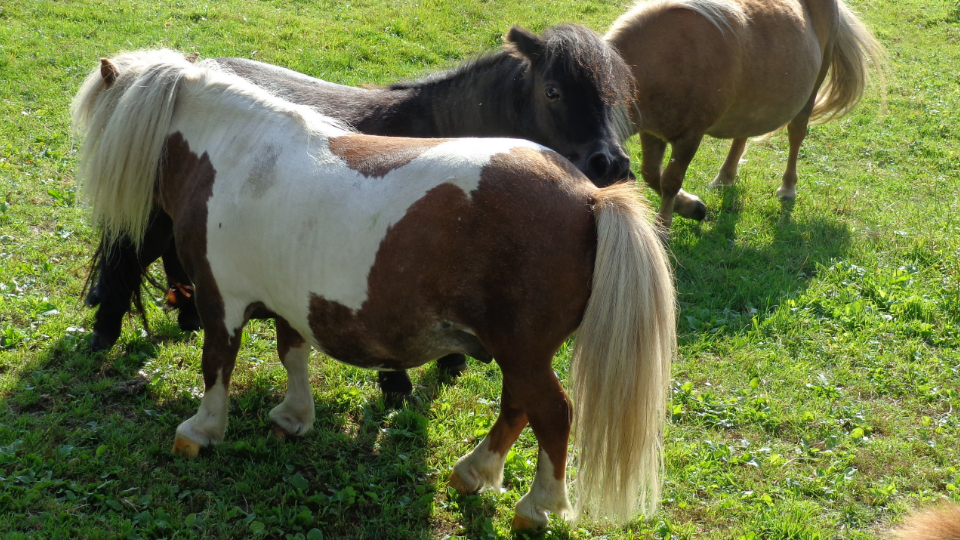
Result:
[[387, 253], [734, 69]]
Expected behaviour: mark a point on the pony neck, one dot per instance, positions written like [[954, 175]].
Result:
[[483, 98]]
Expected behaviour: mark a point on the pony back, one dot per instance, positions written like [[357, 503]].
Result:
[[124, 120]]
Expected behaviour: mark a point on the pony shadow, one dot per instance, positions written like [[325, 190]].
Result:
[[724, 285]]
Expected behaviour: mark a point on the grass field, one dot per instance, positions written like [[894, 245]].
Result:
[[818, 381]]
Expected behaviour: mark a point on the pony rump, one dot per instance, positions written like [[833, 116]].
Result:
[[853, 50], [727, 16], [621, 362], [124, 118]]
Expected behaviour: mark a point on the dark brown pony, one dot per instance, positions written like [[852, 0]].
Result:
[[387, 253], [735, 69], [566, 90]]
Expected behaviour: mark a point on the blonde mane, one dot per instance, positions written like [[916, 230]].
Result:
[[125, 120]]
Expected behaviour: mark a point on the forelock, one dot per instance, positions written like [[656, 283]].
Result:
[[582, 55]]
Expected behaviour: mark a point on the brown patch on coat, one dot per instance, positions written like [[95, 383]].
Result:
[[376, 156], [287, 338], [185, 187], [512, 263]]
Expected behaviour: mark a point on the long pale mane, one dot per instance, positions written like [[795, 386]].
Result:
[[125, 119]]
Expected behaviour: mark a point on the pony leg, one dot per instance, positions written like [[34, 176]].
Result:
[[683, 203], [653, 148], [797, 130], [187, 317], [120, 273], [295, 415], [220, 350], [483, 466], [728, 171], [549, 412], [453, 365], [672, 197], [395, 384]]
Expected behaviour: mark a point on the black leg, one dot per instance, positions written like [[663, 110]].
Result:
[[395, 382], [187, 317], [452, 364], [120, 274]]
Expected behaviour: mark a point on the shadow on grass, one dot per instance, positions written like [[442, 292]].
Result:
[[724, 283], [90, 438]]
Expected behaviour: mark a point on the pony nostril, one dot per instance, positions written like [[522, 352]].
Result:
[[599, 165]]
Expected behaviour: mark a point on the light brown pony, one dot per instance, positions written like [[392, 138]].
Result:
[[734, 69]]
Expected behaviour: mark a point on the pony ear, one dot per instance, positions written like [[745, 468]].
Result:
[[525, 41], [192, 57], [109, 72]]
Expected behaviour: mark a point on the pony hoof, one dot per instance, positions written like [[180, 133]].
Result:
[[787, 195], [522, 524], [186, 448], [99, 342], [456, 482]]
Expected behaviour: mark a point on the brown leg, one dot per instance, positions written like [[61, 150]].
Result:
[[728, 171], [295, 415], [483, 467], [672, 180], [653, 148], [685, 204], [549, 411], [220, 350], [797, 130]]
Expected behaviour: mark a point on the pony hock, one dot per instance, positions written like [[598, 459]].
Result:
[[566, 90], [358, 246], [707, 67]]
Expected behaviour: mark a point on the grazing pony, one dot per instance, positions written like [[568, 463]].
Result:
[[566, 90], [735, 69], [386, 253]]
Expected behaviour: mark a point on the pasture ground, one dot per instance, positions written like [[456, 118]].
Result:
[[818, 382]]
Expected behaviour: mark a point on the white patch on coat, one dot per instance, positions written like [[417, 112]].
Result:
[[481, 468], [547, 495], [209, 425], [318, 225], [296, 413]]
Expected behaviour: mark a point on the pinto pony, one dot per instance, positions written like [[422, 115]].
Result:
[[566, 89], [387, 253], [734, 69]]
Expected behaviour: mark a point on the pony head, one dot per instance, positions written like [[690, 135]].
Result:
[[579, 92]]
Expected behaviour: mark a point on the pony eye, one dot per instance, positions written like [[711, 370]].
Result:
[[552, 93]]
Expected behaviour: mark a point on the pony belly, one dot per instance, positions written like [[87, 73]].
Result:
[[372, 348]]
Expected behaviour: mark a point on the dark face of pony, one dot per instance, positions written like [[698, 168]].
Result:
[[579, 89]]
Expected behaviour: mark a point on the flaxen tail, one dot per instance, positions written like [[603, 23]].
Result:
[[620, 368], [941, 523], [123, 110], [855, 53]]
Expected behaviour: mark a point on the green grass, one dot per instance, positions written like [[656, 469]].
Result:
[[816, 391]]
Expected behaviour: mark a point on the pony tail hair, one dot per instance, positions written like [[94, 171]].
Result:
[[620, 369], [942, 523], [855, 52], [124, 122]]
